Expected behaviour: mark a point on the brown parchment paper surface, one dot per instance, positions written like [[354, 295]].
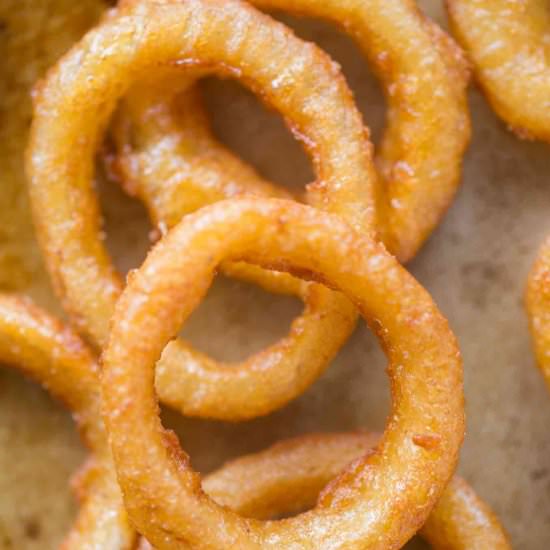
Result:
[[475, 266]]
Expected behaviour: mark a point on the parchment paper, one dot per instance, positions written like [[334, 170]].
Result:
[[475, 266]]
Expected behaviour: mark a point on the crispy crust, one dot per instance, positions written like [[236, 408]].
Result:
[[288, 477], [507, 44], [400, 481]]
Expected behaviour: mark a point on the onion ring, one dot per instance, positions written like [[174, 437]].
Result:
[[384, 498], [48, 352], [167, 156], [70, 114], [507, 43], [538, 308], [287, 478]]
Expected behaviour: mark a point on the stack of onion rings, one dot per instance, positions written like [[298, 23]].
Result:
[[73, 105], [51, 354], [168, 157], [361, 490], [538, 308], [281, 480], [378, 502], [508, 45]]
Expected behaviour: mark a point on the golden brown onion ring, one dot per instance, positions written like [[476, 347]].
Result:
[[380, 501], [51, 354], [288, 477], [508, 45], [538, 308], [73, 105], [168, 157]]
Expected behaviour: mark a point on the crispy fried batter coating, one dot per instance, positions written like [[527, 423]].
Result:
[[381, 500], [538, 308], [508, 44], [288, 477]]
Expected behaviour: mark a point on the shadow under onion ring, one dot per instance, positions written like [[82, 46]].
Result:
[[381, 500]]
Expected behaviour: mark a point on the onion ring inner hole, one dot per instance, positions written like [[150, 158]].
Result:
[[229, 105], [250, 319]]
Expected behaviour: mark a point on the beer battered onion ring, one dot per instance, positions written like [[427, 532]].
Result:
[[73, 105], [508, 45], [51, 354], [167, 156], [538, 308], [380, 501]]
